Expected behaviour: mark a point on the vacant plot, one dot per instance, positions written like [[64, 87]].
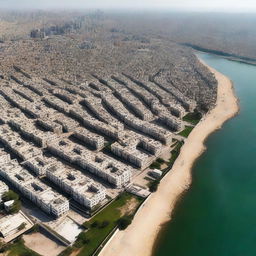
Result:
[[18, 248], [42, 244]]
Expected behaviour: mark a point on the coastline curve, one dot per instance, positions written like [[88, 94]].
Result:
[[139, 238]]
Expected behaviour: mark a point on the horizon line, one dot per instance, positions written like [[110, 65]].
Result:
[[124, 9]]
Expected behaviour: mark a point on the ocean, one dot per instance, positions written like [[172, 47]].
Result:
[[217, 215]]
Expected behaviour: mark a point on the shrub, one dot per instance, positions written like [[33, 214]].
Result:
[[2, 244], [124, 222], [153, 186], [95, 224], [10, 195], [35, 228], [160, 160], [82, 239], [16, 207], [78, 244], [155, 165], [104, 224], [22, 226]]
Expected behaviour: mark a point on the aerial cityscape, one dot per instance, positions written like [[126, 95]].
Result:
[[104, 114]]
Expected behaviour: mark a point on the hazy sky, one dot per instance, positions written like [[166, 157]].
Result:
[[211, 5]]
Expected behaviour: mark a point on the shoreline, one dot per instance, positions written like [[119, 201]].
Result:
[[225, 55], [140, 238]]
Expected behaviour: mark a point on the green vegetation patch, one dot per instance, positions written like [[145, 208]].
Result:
[[22, 226], [102, 224], [11, 195], [19, 249], [124, 222], [157, 164], [153, 185], [160, 160], [66, 252], [186, 131], [193, 117], [107, 146], [175, 152]]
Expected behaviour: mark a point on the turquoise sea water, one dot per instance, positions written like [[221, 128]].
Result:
[[217, 215]]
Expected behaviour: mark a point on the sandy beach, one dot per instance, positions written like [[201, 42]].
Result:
[[138, 239]]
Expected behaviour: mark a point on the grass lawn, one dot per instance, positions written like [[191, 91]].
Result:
[[186, 131], [192, 118], [110, 214], [175, 152], [19, 249], [157, 164]]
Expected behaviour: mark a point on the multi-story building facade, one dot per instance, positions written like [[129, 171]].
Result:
[[82, 189]]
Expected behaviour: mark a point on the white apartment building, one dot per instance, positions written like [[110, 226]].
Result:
[[91, 138], [4, 157], [39, 193], [82, 189], [38, 164], [110, 170]]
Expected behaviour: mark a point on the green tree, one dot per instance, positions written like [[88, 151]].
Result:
[[15, 207], [155, 165], [153, 186], [124, 222], [83, 237], [95, 224], [160, 160], [35, 228], [104, 224], [10, 195], [22, 226]]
